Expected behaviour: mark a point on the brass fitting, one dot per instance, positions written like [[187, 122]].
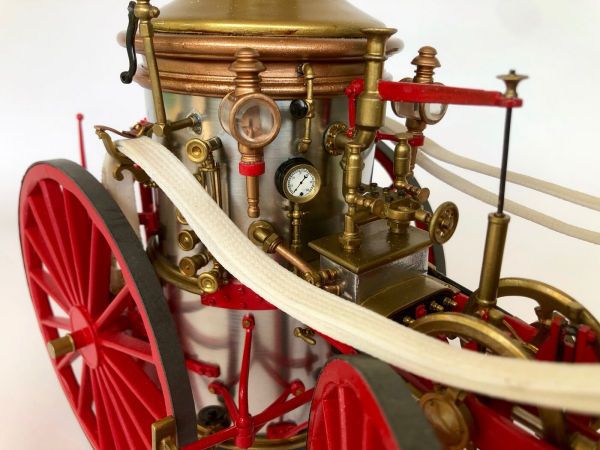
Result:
[[309, 76], [145, 12], [198, 150], [241, 117], [402, 169], [491, 266], [61, 346], [211, 281], [426, 62], [187, 240], [262, 233], [352, 165], [190, 265]]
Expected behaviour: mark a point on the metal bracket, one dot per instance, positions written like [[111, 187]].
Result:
[[164, 434]]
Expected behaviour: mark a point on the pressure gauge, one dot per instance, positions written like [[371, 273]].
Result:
[[298, 180], [253, 119]]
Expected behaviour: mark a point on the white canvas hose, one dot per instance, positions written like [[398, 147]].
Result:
[[431, 148], [490, 198], [574, 387]]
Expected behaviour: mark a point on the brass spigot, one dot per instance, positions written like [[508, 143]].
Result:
[[295, 216], [402, 169], [243, 114]]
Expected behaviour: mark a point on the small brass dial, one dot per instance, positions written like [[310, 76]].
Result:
[[298, 180]]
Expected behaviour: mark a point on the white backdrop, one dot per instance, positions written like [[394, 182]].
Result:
[[61, 57]]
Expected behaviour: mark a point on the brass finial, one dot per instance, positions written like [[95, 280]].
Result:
[[247, 66], [426, 63], [512, 80]]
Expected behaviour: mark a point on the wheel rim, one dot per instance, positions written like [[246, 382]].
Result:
[[360, 403], [128, 370]]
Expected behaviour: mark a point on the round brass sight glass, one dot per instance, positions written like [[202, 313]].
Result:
[[253, 119]]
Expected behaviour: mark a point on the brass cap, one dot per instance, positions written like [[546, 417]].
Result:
[[309, 18]]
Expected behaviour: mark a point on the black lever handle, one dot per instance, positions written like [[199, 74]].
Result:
[[127, 76]]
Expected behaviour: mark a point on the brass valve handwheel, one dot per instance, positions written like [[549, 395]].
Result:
[[443, 223], [491, 339]]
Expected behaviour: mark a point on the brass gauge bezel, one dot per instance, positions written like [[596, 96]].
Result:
[[291, 170], [239, 103]]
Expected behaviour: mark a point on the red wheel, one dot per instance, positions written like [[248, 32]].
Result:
[[360, 403], [118, 358]]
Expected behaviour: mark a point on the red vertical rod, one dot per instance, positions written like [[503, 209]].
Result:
[[80, 118], [245, 422]]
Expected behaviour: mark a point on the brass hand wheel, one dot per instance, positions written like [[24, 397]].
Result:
[[443, 223], [495, 341]]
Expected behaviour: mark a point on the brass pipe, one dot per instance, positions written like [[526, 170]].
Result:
[[262, 233], [145, 12], [252, 194], [491, 266], [352, 165], [309, 76], [370, 109]]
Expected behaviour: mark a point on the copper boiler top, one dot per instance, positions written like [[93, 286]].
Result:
[[195, 41]]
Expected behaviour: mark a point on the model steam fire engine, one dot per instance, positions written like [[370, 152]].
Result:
[[272, 114]]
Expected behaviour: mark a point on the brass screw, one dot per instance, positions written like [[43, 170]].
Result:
[[408, 321], [61, 346], [512, 80], [187, 240], [450, 303], [426, 63], [436, 307], [305, 334]]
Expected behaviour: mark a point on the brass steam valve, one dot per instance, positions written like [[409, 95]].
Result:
[[252, 119], [402, 169]]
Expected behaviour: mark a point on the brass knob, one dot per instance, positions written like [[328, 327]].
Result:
[[426, 63], [187, 240], [512, 80], [61, 346]]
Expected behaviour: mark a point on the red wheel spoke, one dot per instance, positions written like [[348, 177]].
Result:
[[79, 226], [53, 197], [121, 427], [332, 427], [99, 273], [138, 382], [128, 345], [84, 400], [42, 252], [66, 361], [48, 285], [105, 424], [140, 421], [60, 323], [44, 225], [115, 307]]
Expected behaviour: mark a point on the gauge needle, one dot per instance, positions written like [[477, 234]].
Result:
[[300, 184]]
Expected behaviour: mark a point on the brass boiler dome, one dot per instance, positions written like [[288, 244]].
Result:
[[195, 41]]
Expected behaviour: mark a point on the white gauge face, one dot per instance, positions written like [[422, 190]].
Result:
[[301, 184]]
